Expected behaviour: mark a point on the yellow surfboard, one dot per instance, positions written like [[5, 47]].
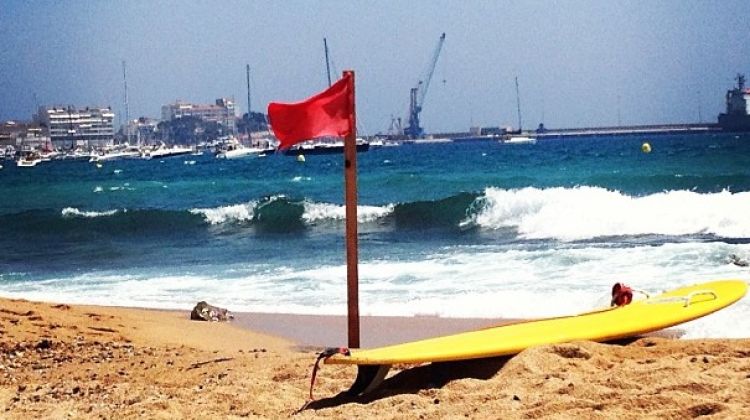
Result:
[[642, 316], [639, 317]]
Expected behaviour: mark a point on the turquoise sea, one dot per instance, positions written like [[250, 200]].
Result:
[[471, 229]]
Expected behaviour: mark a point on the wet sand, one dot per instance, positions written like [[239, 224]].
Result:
[[375, 331]]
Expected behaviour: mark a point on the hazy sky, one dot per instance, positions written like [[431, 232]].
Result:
[[579, 63]]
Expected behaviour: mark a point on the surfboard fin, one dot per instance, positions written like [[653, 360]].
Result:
[[368, 378]]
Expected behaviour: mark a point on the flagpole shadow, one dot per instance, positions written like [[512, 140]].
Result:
[[411, 381]]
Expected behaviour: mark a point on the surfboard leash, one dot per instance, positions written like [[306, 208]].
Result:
[[325, 354]]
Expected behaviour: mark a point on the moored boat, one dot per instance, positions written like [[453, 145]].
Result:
[[76, 154], [28, 160], [520, 139], [384, 143], [9, 153], [126, 152], [163, 151], [235, 150], [324, 148], [47, 155]]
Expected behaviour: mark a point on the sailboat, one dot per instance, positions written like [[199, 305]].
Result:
[[518, 138], [328, 145], [48, 152]]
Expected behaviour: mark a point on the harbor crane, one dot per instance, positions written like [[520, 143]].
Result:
[[419, 92]]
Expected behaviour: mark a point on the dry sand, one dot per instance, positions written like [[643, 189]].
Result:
[[60, 361]]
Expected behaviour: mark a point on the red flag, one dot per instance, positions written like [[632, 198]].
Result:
[[328, 113]]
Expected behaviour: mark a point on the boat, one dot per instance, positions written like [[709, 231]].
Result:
[[9, 153], [48, 152], [76, 154], [125, 152], [384, 143], [162, 151], [28, 160], [235, 149], [518, 139], [47, 155], [324, 147]]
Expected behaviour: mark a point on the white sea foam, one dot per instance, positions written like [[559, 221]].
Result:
[[570, 214], [319, 212], [313, 212], [124, 187], [485, 282], [228, 214], [74, 212]]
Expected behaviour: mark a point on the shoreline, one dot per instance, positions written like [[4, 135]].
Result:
[[375, 331], [323, 331], [60, 360], [312, 330]]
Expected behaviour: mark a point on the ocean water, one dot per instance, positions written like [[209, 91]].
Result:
[[474, 229]]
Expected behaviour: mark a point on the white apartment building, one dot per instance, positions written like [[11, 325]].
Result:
[[69, 127]]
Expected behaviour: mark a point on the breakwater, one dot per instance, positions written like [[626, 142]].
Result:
[[630, 130], [494, 133]]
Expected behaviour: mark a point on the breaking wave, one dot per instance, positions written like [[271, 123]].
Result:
[[563, 214], [225, 214], [570, 214], [74, 212]]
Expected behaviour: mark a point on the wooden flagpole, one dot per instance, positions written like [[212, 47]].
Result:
[[350, 180]]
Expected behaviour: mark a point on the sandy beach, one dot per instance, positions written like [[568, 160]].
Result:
[[66, 361]]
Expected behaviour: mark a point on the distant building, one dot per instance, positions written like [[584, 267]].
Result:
[[222, 112], [69, 127], [8, 135], [737, 117], [142, 130], [22, 136]]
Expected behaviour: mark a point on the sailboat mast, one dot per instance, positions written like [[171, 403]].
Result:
[[328, 65], [127, 110], [247, 68], [249, 113], [518, 106]]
